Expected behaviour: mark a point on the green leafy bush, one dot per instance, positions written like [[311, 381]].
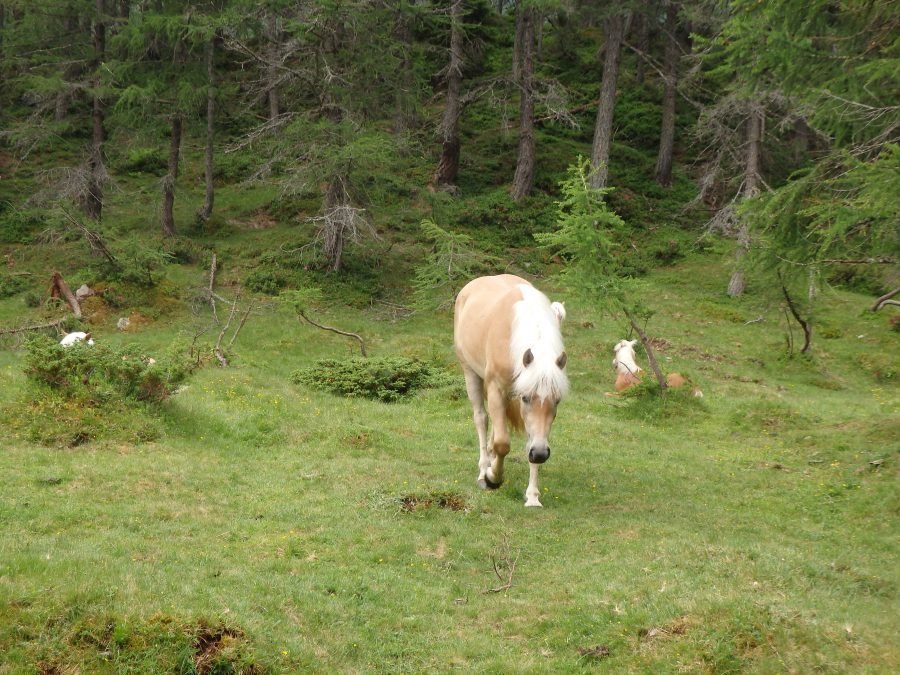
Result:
[[18, 226], [11, 285], [97, 373], [144, 160], [385, 379], [265, 280]]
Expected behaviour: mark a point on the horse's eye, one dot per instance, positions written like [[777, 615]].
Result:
[[526, 400], [556, 402]]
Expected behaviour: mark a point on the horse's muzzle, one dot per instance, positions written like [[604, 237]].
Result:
[[538, 455]]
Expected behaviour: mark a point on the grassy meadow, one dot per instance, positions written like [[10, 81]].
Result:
[[257, 525]]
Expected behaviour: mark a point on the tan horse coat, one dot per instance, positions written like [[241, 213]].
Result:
[[506, 335]]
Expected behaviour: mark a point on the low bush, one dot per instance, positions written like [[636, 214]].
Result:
[[385, 379], [11, 285], [19, 226], [144, 160], [97, 373]]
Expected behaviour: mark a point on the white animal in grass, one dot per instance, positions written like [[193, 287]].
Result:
[[78, 336], [629, 373]]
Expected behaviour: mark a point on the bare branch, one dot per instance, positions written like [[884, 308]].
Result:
[[886, 300]]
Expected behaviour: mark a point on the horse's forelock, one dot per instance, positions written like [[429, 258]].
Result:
[[536, 328]]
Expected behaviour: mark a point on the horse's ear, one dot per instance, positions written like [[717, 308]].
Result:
[[561, 361], [632, 342], [527, 358], [87, 336]]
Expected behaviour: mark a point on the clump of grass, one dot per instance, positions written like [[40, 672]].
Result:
[[648, 402], [160, 643], [386, 379]]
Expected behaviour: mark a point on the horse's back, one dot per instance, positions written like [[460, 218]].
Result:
[[482, 321]]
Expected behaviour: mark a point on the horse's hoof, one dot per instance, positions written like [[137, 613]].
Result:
[[534, 503], [486, 484]]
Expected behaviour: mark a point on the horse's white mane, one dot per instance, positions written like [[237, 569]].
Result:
[[624, 362], [535, 326]]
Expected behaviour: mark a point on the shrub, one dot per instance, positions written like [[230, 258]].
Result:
[[11, 285], [19, 226], [144, 160], [384, 379], [265, 280], [97, 373]]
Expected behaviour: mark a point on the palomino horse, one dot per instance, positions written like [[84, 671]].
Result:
[[629, 373], [507, 338]]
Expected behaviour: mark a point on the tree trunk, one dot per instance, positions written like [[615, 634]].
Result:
[[737, 283], [271, 31], [168, 218], [524, 177], [667, 129], [448, 167], [92, 199], [648, 347], [405, 117], [615, 33], [642, 41], [206, 211]]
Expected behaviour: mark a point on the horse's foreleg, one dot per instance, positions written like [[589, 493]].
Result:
[[475, 390], [496, 400], [532, 494]]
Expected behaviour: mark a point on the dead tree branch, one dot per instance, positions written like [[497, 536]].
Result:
[[217, 350], [59, 288], [362, 345], [212, 296], [806, 324], [886, 300], [95, 241], [25, 329]]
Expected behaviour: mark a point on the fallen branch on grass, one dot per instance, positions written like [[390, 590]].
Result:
[[362, 345], [506, 561], [25, 329]]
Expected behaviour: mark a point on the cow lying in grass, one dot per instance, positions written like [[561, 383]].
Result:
[[629, 373]]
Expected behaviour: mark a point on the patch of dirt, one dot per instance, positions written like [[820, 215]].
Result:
[[679, 626], [660, 344], [95, 310], [442, 500], [598, 652], [215, 644], [359, 440], [701, 354], [258, 221]]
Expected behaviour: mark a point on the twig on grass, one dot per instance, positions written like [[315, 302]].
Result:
[[506, 562]]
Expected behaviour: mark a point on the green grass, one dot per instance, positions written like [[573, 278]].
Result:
[[293, 530]]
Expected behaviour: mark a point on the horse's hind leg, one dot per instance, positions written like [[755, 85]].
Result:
[[475, 390]]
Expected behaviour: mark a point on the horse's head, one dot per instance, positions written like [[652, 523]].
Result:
[[541, 386], [624, 362]]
